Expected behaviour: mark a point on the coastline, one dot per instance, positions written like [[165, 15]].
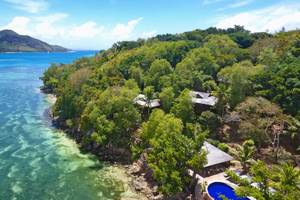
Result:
[[134, 175]]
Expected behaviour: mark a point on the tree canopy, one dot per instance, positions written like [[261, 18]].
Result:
[[254, 76]]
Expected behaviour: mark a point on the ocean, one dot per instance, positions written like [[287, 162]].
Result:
[[36, 160]]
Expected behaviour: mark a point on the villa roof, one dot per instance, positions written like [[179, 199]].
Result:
[[215, 155], [203, 98], [143, 101]]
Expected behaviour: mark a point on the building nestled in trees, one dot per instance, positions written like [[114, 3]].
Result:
[[217, 160], [203, 101], [143, 101]]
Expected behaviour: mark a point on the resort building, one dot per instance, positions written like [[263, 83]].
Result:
[[203, 101], [203, 98], [144, 102], [212, 174], [217, 160]]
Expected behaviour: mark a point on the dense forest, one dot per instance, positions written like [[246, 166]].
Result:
[[254, 76]]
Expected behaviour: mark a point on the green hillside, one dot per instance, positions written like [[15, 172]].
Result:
[[255, 76]]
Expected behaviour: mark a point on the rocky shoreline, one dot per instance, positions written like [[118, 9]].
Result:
[[140, 181]]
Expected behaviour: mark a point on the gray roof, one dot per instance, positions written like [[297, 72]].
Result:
[[215, 155], [142, 100], [203, 98]]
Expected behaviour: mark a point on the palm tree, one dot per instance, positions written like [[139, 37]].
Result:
[[261, 175], [276, 183], [287, 181], [222, 94], [245, 153]]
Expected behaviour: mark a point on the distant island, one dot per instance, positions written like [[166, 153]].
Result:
[[11, 41]]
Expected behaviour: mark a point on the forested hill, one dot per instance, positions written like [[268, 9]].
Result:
[[10, 41], [255, 76]]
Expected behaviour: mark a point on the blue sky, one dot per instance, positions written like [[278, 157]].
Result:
[[97, 24]]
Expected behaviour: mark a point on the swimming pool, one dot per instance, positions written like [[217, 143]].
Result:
[[216, 189]]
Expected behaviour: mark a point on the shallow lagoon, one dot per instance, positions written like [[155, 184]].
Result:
[[36, 160]]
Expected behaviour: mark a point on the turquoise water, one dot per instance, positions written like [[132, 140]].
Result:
[[36, 160]]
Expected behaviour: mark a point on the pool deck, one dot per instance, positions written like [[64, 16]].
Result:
[[217, 177], [221, 177]]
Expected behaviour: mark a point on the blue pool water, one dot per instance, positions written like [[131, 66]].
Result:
[[217, 188], [36, 160]]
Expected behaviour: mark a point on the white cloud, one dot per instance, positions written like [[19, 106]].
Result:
[[149, 34], [87, 30], [87, 35], [38, 26], [123, 31], [271, 18], [31, 6], [52, 18], [19, 24], [46, 28]]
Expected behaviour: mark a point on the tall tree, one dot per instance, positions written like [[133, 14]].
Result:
[[136, 73], [167, 97], [245, 153], [256, 115], [171, 152], [268, 58], [159, 70], [238, 80], [261, 175], [204, 61], [269, 183], [223, 49], [183, 107], [287, 182]]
